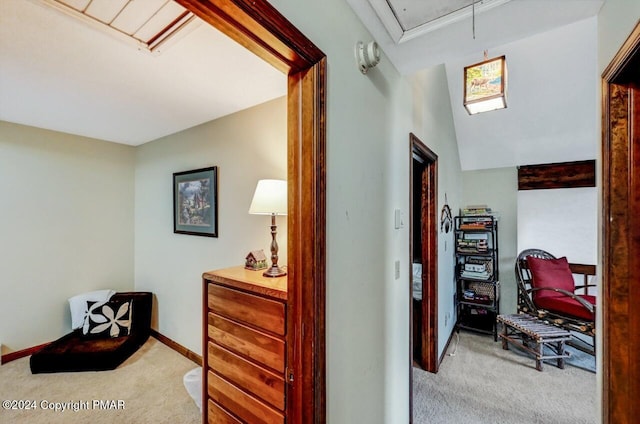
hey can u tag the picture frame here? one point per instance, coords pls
(485, 85)
(195, 202)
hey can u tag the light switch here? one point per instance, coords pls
(399, 219)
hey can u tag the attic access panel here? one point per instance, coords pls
(146, 24)
(411, 14)
(407, 19)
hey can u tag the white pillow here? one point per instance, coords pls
(78, 305)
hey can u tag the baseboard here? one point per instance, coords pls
(12, 356)
(192, 356)
(446, 347)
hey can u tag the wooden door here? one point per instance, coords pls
(621, 234)
(426, 195)
(258, 26)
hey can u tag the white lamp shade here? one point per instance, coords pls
(269, 198)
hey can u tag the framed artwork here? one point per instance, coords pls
(485, 85)
(195, 202)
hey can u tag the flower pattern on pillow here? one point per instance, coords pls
(108, 319)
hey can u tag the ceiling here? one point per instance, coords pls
(107, 75)
(418, 34)
(97, 69)
(551, 54)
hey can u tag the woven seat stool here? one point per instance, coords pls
(532, 335)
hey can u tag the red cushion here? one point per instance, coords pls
(568, 306)
(551, 273)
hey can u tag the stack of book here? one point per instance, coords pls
(477, 217)
(473, 243)
(477, 269)
(471, 296)
(475, 210)
(472, 246)
(476, 223)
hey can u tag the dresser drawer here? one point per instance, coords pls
(246, 407)
(247, 308)
(260, 347)
(264, 384)
(217, 415)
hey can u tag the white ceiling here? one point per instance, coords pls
(59, 73)
(497, 22)
(551, 53)
(62, 74)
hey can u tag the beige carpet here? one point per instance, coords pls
(149, 385)
(483, 384)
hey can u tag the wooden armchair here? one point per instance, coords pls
(547, 290)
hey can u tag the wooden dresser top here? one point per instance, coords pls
(253, 281)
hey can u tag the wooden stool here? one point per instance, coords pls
(523, 330)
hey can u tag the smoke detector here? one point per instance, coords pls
(367, 55)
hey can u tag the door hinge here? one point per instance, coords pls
(289, 375)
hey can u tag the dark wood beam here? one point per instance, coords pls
(557, 175)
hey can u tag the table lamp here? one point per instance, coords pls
(270, 198)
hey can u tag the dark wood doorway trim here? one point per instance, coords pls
(259, 27)
(621, 233)
(429, 258)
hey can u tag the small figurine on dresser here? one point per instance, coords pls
(256, 260)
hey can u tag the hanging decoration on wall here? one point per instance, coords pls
(445, 216)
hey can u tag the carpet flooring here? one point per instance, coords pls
(481, 384)
(484, 384)
(147, 388)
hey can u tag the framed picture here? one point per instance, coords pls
(195, 202)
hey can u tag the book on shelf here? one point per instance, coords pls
(471, 211)
(475, 223)
(469, 294)
(472, 246)
(476, 236)
(476, 275)
(478, 264)
(475, 267)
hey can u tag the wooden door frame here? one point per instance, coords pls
(621, 234)
(429, 233)
(259, 27)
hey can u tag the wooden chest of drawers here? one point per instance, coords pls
(244, 345)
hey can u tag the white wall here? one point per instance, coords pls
(562, 221)
(616, 20)
(433, 124)
(498, 188)
(245, 146)
(368, 125)
(66, 225)
(548, 72)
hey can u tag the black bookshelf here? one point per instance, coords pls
(477, 273)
